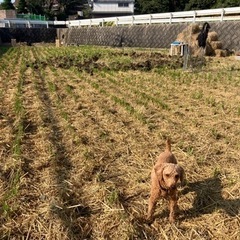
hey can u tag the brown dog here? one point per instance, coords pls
(165, 175)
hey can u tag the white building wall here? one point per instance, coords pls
(113, 7)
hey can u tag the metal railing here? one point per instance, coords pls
(29, 16)
(210, 15)
(22, 23)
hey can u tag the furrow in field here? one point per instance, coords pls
(6, 108)
(34, 183)
(188, 117)
(181, 115)
(106, 139)
(125, 98)
(8, 94)
(35, 195)
(12, 115)
(67, 209)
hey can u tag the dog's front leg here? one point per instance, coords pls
(152, 202)
(173, 208)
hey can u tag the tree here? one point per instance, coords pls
(178, 5)
(7, 5)
(35, 6)
(68, 7)
(152, 6)
(200, 4)
(227, 3)
(159, 6)
(22, 6)
(55, 8)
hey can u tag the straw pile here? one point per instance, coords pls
(214, 46)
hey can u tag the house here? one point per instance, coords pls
(5, 14)
(111, 8)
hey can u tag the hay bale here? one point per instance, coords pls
(212, 36)
(189, 35)
(196, 51)
(195, 28)
(220, 53)
(209, 50)
(180, 37)
(216, 45)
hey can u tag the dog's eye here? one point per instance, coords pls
(167, 175)
(177, 176)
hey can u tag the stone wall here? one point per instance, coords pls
(228, 34)
(154, 36)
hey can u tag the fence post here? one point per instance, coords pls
(170, 18)
(132, 20)
(150, 19)
(194, 16)
(222, 15)
(116, 21)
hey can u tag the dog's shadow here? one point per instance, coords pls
(208, 197)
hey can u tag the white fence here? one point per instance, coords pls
(211, 15)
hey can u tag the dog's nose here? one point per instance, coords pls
(173, 186)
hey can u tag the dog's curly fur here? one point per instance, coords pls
(164, 178)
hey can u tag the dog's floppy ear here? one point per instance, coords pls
(181, 175)
(159, 171)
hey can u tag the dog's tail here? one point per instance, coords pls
(168, 145)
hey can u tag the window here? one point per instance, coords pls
(123, 5)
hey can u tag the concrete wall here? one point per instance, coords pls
(154, 36)
(32, 35)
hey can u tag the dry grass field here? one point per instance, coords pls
(80, 131)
